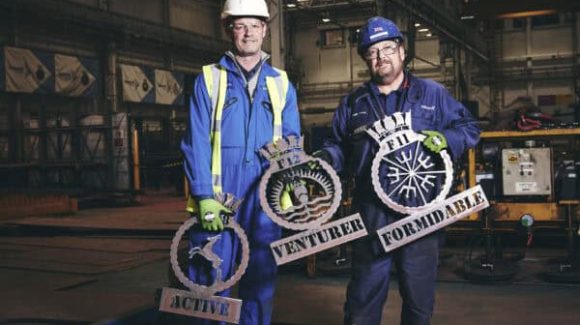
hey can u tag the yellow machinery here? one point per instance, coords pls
(518, 172)
(545, 206)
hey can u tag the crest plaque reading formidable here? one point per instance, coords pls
(300, 192)
(428, 220)
(413, 180)
(201, 301)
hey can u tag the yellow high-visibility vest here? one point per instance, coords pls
(215, 77)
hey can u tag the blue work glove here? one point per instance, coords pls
(435, 141)
(210, 212)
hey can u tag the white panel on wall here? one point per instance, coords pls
(426, 49)
(333, 62)
(151, 10)
(552, 41)
(329, 64)
(308, 53)
(195, 17)
(514, 45)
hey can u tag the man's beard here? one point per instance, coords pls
(386, 73)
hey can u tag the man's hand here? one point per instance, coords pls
(435, 141)
(324, 155)
(320, 154)
(210, 212)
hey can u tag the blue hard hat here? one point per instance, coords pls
(377, 29)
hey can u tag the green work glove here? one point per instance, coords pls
(322, 155)
(295, 191)
(210, 211)
(285, 199)
(435, 141)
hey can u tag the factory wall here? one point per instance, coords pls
(194, 16)
(539, 62)
(81, 143)
(534, 59)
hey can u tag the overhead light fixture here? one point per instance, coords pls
(423, 30)
(467, 17)
(291, 3)
(417, 24)
(428, 34)
(325, 19)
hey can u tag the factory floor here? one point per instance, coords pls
(104, 266)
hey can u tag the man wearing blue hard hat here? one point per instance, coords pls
(445, 122)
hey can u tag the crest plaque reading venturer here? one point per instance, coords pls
(201, 301)
(300, 192)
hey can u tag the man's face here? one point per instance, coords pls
(385, 61)
(247, 35)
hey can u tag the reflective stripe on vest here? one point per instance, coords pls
(277, 90)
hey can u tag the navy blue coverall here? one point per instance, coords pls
(352, 151)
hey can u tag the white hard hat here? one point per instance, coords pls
(244, 8)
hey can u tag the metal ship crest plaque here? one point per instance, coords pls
(413, 180)
(200, 301)
(405, 175)
(301, 192)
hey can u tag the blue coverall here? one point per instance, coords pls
(352, 151)
(247, 125)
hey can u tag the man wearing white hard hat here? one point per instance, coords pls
(232, 102)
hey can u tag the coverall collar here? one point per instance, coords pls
(250, 77)
(415, 89)
(229, 62)
(404, 85)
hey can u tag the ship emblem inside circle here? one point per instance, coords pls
(298, 191)
(204, 254)
(406, 176)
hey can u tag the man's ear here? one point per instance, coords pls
(265, 30)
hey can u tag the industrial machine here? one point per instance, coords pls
(530, 180)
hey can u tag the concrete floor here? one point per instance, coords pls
(100, 265)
